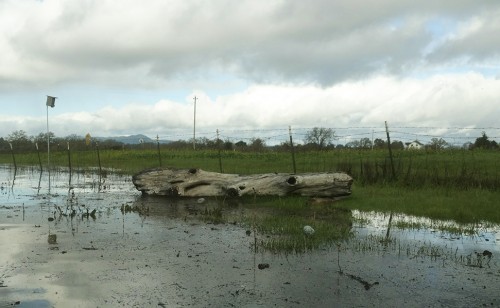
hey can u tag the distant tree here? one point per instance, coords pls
(41, 140)
(205, 143)
(468, 145)
(180, 144)
(227, 145)
(320, 136)
(365, 143)
(438, 144)
(4, 145)
(18, 136)
(353, 144)
(379, 144)
(240, 145)
(257, 144)
(397, 145)
(19, 140)
(484, 143)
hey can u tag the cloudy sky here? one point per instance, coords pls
(134, 66)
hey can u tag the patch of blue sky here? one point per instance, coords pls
(440, 28)
(91, 98)
(456, 67)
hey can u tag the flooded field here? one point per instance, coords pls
(96, 242)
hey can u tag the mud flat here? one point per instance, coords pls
(55, 254)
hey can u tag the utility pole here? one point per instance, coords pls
(51, 101)
(194, 124)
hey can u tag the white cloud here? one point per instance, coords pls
(252, 63)
(442, 101)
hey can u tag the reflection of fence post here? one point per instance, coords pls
(69, 160)
(39, 160)
(390, 150)
(158, 146)
(13, 156)
(292, 149)
(218, 147)
(98, 157)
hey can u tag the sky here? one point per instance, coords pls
(428, 68)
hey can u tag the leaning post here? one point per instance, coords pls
(390, 151)
(292, 149)
(13, 156)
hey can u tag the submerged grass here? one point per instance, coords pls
(462, 206)
(278, 225)
(457, 185)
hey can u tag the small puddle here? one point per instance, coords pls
(95, 241)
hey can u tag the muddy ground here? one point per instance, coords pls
(51, 256)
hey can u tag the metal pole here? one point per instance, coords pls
(48, 146)
(194, 124)
(50, 102)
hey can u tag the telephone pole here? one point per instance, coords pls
(194, 124)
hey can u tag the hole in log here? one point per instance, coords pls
(232, 192)
(193, 170)
(292, 180)
(241, 187)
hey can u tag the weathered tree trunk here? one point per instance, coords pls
(200, 183)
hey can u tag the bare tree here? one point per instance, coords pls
(365, 143)
(257, 144)
(320, 136)
(438, 144)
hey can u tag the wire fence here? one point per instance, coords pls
(453, 136)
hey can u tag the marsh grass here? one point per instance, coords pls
(462, 206)
(460, 185)
(279, 224)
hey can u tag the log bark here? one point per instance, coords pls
(200, 183)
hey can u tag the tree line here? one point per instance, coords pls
(318, 138)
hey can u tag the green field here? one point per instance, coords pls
(460, 185)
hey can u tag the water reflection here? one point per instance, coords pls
(86, 194)
(200, 249)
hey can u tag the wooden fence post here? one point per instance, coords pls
(219, 150)
(13, 156)
(292, 150)
(158, 146)
(98, 158)
(39, 160)
(69, 160)
(390, 151)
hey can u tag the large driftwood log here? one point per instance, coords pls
(200, 183)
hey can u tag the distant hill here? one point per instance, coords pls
(132, 139)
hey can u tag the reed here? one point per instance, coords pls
(461, 185)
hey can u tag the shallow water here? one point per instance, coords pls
(53, 252)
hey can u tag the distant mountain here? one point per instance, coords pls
(132, 139)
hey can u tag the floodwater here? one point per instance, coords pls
(73, 246)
